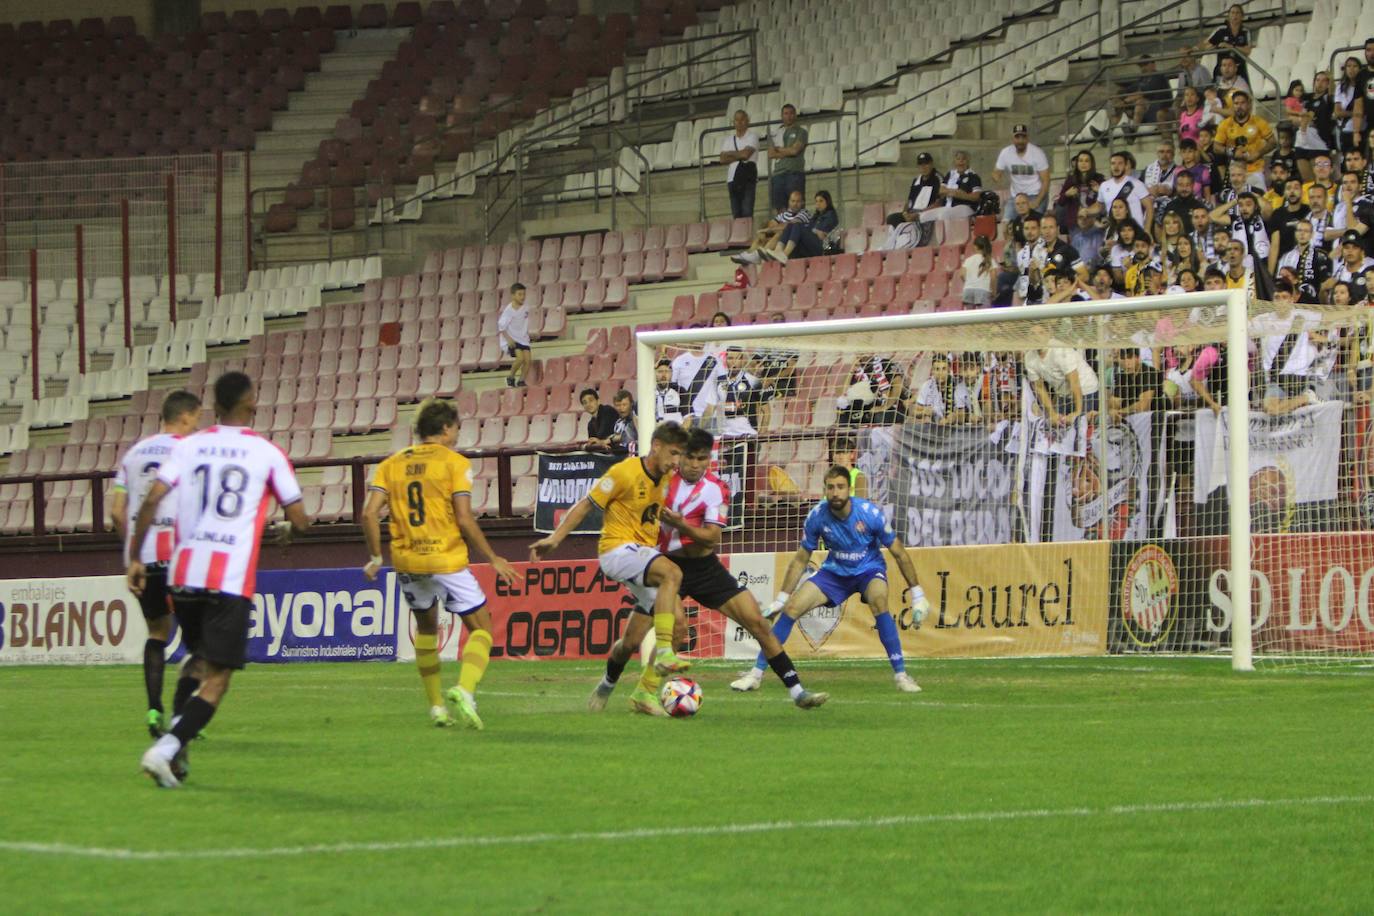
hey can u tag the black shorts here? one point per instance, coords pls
(706, 581)
(155, 600)
(214, 625)
(514, 348)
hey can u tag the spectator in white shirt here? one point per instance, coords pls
(1026, 167)
(514, 329)
(1124, 185)
(1064, 383)
(742, 173)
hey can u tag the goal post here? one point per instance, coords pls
(1066, 478)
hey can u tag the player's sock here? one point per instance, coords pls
(154, 663)
(195, 716)
(782, 666)
(186, 686)
(781, 629)
(663, 631)
(427, 662)
(649, 680)
(613, 671)
(892, 643)
(476, 654)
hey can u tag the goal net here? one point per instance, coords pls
(1085, 478)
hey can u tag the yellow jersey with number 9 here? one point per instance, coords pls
(630, 499)
(419, 483)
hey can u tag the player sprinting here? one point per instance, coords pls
(223, 480)
(694, 512)
(134, 476)
(631, 495)
(854, 531)
(428, 488)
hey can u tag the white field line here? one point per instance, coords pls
(648, 833)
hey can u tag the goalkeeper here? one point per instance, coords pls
(854, 532)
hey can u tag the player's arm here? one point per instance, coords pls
(119, 512)
(914, 596)
(137, 575)
(708, 535)
(473, 537)
(545, 546)
(372, 531)
(790, 577)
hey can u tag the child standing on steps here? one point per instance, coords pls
(514, 327)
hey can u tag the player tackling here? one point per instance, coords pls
(134, 477)
(694, 512)
(854, 532)
(631, 495)
(223, 480)
(428, 488)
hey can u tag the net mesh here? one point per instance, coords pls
(1064, 480)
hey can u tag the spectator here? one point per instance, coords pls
(1284, 219)
(1364, 90)
(765, 237)
(1030, 262)
(742, 173)
(1141, 100)
(1321, 178)
(1307, 261)
(733, 403)
(1159, 175)
(1244, 136)
(1183, 201)
(1170, 231)
(670, 401)
(1190, 113)
(978, 272)
(844, 451)
(1279, 172)
(1238, 275)
(1292, 99)
(1143, 256)
(807, 239)
(1233, 38)
(1208, 156)
(1200, 231)
(1349, 107)
(720, 320)
(1354, 212)
(962, 190)
(1204, 181)
(776, 370)
(1134, 386)
(513, 328)
(1124, 249)
(1297, 362)
(1065, 385)
(1316, 126)
(1059, 254)
(1185, 281)
(935, 400)
(1356, 162)
(1246, 224)
(1213, 111)
(1188, 375)
(1192, 74)
(1123, 185)
(870, 379)
(787, 148)
(601, 420)
(625, 439)
(694, 371)
(1021, 206)
(1324, 228)
(1024, 165)
(1088, 237)
(895, 405)
(1079, 190)
(1354, 267)
(1229, 81)
(906, 227)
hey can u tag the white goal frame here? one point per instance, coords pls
(1236, 302)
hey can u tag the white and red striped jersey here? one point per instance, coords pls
(135, 474)
(225, 478)
(706, 502)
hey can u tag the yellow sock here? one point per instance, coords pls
(649, 680)
(663, 631)
(427, 661)
(476, 654)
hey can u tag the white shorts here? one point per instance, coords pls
(627, 564)
(458, 592)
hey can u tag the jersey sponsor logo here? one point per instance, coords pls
(650, 515)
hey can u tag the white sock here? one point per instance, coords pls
(796, 690)
(167, 746)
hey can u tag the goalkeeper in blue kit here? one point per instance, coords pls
(854, 532)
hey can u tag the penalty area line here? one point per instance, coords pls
(703, 830)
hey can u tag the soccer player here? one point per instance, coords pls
(428, 488)
(137, 469)
(695, 510)
(224, 479)
(853, 530)
(631, 495)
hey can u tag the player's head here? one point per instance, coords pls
(663, 372)
(235, 399)
(180, 413)
(517, 294)
(696, 454)
(437, 421)
(623, 402)
(837, 487)
(665, 447)
(590, 400)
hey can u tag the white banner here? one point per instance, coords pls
(83, 621)
(1293, 458)
(1078, 513)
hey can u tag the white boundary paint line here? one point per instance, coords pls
(611, 836)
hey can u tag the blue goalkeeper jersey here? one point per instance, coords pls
(855, 543)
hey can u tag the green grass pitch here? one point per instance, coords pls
(1095, 785)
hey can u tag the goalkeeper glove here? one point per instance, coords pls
(373, 565)
(779, 602)
(920, 607)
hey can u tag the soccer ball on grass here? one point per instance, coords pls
(680, 697)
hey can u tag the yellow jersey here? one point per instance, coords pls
(1255, 131)
(630, 499)
(420, 483)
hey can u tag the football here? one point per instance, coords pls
(680, 697)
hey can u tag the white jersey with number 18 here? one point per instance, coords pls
(135, 475)
(225, 478)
